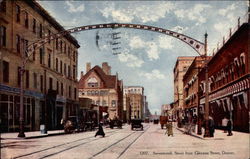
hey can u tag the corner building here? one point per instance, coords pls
(50, 84)
(229, 83)
(102, 88)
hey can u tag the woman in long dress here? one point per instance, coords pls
(170, 128)
(100, 131)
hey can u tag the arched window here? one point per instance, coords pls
(242, 62)
(92, 82)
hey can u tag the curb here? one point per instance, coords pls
(191, 134)
(47, 135)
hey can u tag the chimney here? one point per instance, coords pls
(106, 68)
(88, 67)
(82, 74)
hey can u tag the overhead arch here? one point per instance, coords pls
(195, 44)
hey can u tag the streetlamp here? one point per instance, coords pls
(21, 71)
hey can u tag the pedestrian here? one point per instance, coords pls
(211, 126)
(224, 124)
(100, 131)
(229, 128)
(169, 130)
(194, 122)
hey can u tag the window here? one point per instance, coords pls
(18, 76)
(96, 93)
(26, 19)
(49, 33)
(56, 43)
(61, 67)
(92, 82)
(41, 55)
(57, 64)
(3, 6)
(41, 31)
(17, 13)
(113, 103)
(62, 89)
(27, 78)
(69, 91)
(104, 103)
(74, 56)
(69, 50)
(5, 71)
(61, 44)
(65, 69)
(74, 71)
(69, 72)
(49, 60)
(34, 25)
(75, 93)
(26, 43)
(34, 80)
(65, 47)
(18, 41)
(3, 36)
(50, 83)
(98, 102)
(34, 54)
(41, 83)
(57, 87)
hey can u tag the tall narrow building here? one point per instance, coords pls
(181, 66)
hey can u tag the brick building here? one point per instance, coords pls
(103, 88)
(50, 78)
(181, 66)
(229, 82)
(190, 91)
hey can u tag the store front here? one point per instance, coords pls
(10, 109)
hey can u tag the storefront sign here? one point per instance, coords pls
(6, 88)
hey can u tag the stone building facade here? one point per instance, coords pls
(102, 88)
(181, 66)
(137, 101)
(229, 83)
(50, 74)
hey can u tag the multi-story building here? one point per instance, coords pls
(147, 111)
(180, 69)
(103, 88)
(229, 83)
(50, 73)
(190, 82)
(137, 101)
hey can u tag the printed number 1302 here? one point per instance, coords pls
(144, 153)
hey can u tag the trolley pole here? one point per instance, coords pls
(206, 91)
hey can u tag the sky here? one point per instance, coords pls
(146, 58)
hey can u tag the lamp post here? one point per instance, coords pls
(21, 71)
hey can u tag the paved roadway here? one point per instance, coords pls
(126, 144)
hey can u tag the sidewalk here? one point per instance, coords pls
(31, 134)
(218, 134)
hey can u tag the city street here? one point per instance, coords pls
(124, 143)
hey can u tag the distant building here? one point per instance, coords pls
(102, 88)
(181, 66)
(229, 82)
(137, 101)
